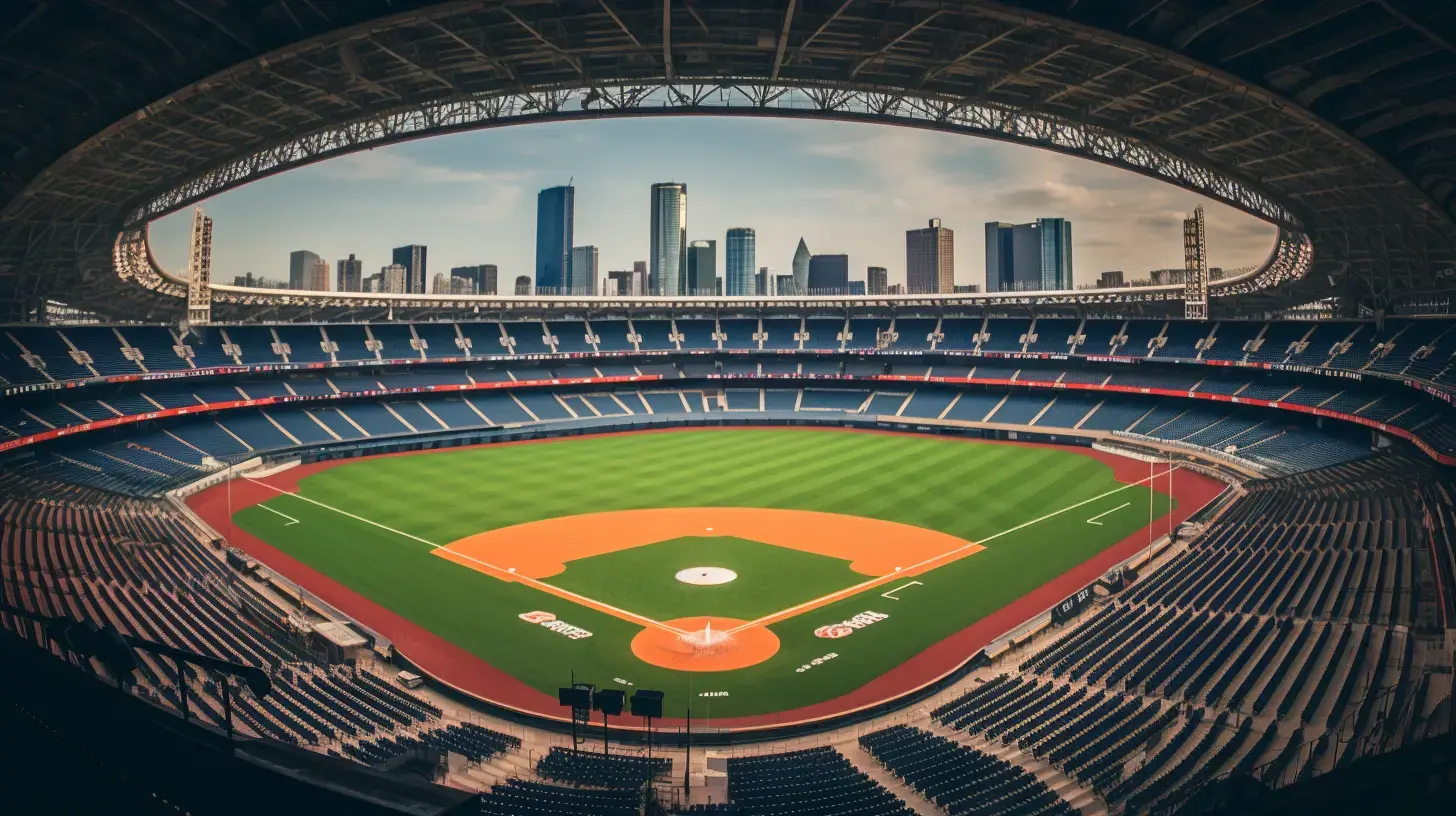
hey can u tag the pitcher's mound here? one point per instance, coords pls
(705, 648)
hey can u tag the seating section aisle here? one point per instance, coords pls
(812, 782)
(960, 779)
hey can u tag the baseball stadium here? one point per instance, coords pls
(794, 546)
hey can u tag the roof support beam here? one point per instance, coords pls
(784, 39)
(864, 63)
(936, 71)
(1266, 35)
(667, 39)
(1227, 10)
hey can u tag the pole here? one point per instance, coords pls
(604, 733)
(181, 685)
(1152, 494)
(227, 706)
(687, 765)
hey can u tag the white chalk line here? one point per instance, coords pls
(542, 585)
(1094, 520)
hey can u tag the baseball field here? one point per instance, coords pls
(748, 571)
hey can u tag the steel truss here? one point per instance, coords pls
(728, 96)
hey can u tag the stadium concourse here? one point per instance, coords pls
(1286, 630)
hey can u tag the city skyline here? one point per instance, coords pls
(846, 188)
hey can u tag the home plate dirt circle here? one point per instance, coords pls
(706, 576)
(704, 649)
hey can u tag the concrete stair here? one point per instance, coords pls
(862, 760)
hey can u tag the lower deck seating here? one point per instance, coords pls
(812, 782)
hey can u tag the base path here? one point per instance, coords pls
(540, 549)
(466, 672)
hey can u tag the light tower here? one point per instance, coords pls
(1195, 263)
(199, 270)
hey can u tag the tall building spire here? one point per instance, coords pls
(801, 268)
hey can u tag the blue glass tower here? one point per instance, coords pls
(555, 208)
(740, 262)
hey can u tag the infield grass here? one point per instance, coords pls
(973, 490)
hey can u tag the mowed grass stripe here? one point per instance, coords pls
(965, 488)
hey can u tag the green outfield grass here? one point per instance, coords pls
(972, 490)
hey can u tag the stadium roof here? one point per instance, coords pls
(1333, 118)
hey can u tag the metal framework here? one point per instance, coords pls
(1195, 267)
(1330, 117)
(728, 97)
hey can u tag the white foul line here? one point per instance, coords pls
(1094, 520)
(291, 520)
(542, 585)
(881, 579)
(891, 593)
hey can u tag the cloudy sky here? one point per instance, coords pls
(846, 188)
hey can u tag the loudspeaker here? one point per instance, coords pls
(646, 703)
(577, 697)
(609, 701)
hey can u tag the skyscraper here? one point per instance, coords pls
(441, 284)
(828, 275)
(412, 258)
(523, 285)
(1000, 257)
(741, 258)
(583, 271)
(555, 228)
(702, 268)
(877, 280)
(317, 279)
(668, 252)
(639, 278)
(482, 278)
(763, 282)
(930, 260)
(393, 279)
(1055, 250)
(351, 274)
(300, 261)
(800, 269)
(1029, 257)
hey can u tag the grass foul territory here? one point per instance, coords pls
(869, 547)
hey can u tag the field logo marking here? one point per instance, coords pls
(291, 520)
(567, 594)
(1094, 520)
(537, 617)
(891, 593)
(845, 628)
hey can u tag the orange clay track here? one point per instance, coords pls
(540, 549)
